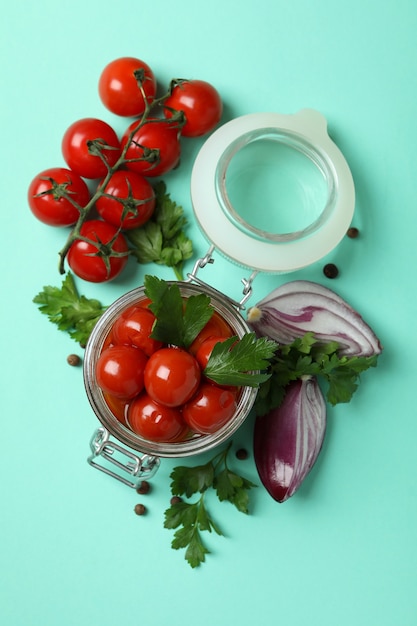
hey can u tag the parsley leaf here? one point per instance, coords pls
(305, 356)
(162, 239)
(190, 519)
(71, 312)
(190, 480)
(234, 488)
(178, 320)
(232, 361)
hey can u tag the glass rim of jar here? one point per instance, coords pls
(198, 443)
(240, 241)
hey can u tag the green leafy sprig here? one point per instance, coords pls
(231, 360)
(71, 312)
(306, 356)
(178, 320)
(191, 519)
(162, 239)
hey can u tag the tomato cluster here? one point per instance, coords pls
(160, 391)
(119, 170)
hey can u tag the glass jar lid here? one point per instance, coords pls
(272, 192)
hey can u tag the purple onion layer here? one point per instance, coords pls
(298, 307)
(288, 440)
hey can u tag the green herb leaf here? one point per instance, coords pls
(232, 361)
(189, 480)
(196, 551)
(190, 519)
(162, 239)
(178, 320)
(305, 356)
(234, 488)
(72, 313)
(197, 312)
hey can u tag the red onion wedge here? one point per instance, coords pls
(301, 306)
(287, 440)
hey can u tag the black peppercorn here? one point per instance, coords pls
(73, 359)
(143, 487)
(330, 270)
(175, 500)
(140, 509)
(241, 454)
(352, 232)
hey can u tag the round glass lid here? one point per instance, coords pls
(273, 192)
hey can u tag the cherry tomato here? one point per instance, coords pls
(118, 406)
(134, 327)
(215, 327)
(120, 371)
(48, 195)
(159, 136)
(172, 376)
(210, 409)
(118, 87)
(201, 104)
(206, 348)
(84, 257)
(154, 421)
(132, 200)
(75, 147)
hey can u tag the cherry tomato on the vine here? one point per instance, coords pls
(120, 371)
(155, 421)
(155, 147)
(172, 376)
(87, 135)
(201, 104)
(53, 194)
(93, 260)
(134, 327)
(128, 200)
(210, 409)
(118, 86)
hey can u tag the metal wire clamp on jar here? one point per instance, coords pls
(230, 229)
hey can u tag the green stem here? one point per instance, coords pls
(177, 120)
(178, 271)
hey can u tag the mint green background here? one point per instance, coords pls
(343, 550)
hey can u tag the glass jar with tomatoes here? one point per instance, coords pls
(123, 368)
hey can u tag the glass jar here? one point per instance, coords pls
(307, 212)
(197, 443)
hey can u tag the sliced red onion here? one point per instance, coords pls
(287, 441)
(301, 306)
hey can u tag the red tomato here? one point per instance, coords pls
(154, 421)
(134, 327)
(201, 104)
(118, 406)
(215, 327)
(49, 194)
(159, 139)
(206, 348)
(94, 133)
(118, 86)
(120, 371)
(84, 258)
(132, 200)
(172, 376)
(210, 409)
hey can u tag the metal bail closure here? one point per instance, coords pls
(139, 468)
(208, 259)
